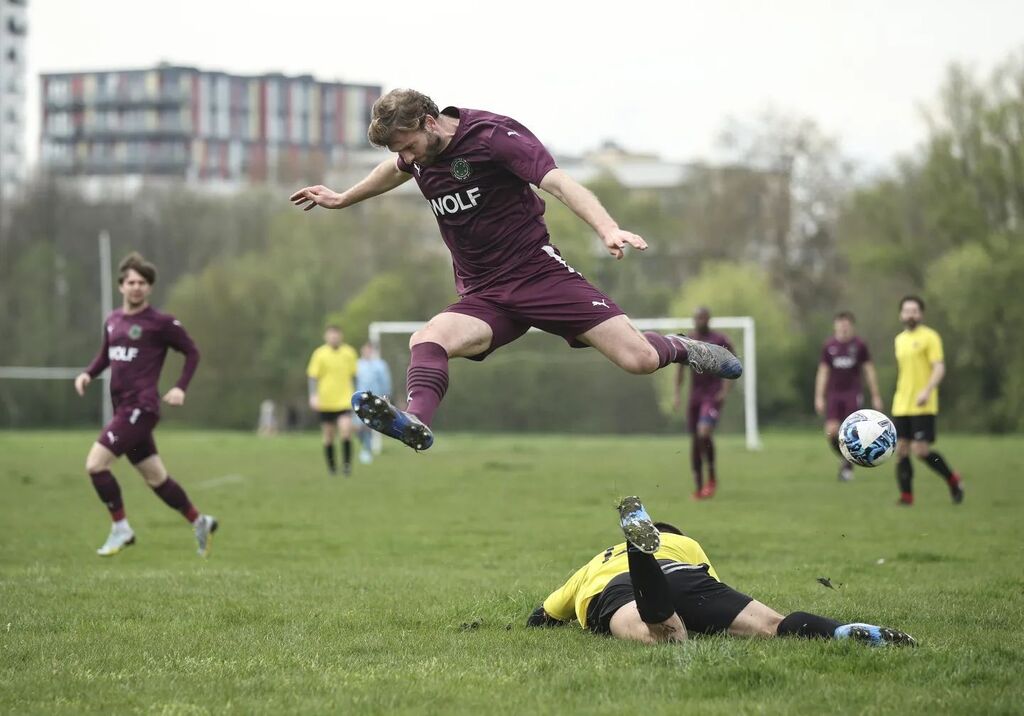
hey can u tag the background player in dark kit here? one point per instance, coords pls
(837, 385)
(475, 169)
(704, 408)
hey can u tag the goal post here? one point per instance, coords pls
(743, 323)
(106, 306)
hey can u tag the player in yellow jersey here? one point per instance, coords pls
(659, 585)
(331, 373)
(921, 367)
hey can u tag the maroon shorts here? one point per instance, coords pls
(130, 433)
(704, 410)
(546, 294)
(839, 405)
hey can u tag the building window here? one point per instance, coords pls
(57, 90)
(16, 28)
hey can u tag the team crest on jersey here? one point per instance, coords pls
(461, 169)
(135, 332)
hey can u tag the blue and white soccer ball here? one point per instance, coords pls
(867, 438)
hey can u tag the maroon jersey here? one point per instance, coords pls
(706, 386)
(479, 190)
(845, 361)
(135, 346)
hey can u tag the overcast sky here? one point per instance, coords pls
(653, 76)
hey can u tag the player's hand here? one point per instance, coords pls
(876, 403)
(314, 402)
(175, 396)
(81, 381)
(922, 397)
(618, 239)
(819, 405)
(313, 196)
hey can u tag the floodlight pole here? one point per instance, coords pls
(106, 306)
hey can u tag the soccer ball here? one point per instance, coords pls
(867, 438)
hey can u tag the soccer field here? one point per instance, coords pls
(404, 589)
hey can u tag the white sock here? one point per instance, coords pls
(122, 525)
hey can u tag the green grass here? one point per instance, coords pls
(405, 588)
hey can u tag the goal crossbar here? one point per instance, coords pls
(744, 323)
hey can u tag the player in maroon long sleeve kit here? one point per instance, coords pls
(135, 342)
(475, 170)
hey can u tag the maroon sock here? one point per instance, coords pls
(174, 496)
(668, 349)
(709, 453)
(696, 463)
(427, 380)
(110, 493)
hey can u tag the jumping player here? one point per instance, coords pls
(915, 406)
(659, 585)
(707, 396)
(475, 169)
(135, 342)
(331, 374)
(837, 385)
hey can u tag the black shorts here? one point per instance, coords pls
(705, 605)
(331, 416)
(915, 427)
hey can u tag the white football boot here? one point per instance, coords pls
(117, 540)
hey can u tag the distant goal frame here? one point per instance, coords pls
(743, 323)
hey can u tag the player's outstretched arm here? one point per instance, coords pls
(820, 381)
(938, 373)
(99, 364)
(677, 393)
(872, 379)
(179, 339)
(384, 177)
(81, 381)
(586, 206)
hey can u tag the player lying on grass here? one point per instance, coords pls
(659, 586)
(475, 169)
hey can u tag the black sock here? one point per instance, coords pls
(346, 452)
(329, 453)
(650, 587)
(938, 463)
(808, 626)
(904, 474)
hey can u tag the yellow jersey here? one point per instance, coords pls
(573, 597)
(334, 370)
(916, 352)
